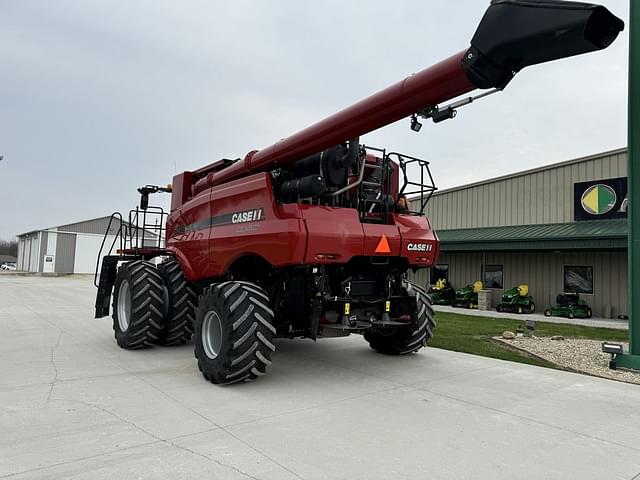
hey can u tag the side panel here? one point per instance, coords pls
(375, 236)
(419, 242)
(246, 221)
(332, 231)
(188, 236)
(207, 234)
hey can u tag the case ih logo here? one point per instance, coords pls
(248, 216)
(419, 247)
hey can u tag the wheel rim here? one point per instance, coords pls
(211, 334)
(124, 305)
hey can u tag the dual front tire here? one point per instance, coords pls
(152, 305)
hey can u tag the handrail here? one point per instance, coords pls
(104, 239)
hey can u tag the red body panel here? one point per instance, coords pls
(208, 233)
(332, 231)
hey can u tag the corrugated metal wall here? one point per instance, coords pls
(540, 196)
(97, 225)
(544, 273)
(43, 250)
(65, 252)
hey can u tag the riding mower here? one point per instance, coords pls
(517, 300)
(569, 305)
(468, 296)
(442, 293)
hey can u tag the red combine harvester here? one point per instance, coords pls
(314, 235)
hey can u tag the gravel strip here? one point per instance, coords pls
(581, 355)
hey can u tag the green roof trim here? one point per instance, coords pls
(586, 235)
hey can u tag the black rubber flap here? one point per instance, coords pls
(514, 34)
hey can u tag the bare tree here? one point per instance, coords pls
(9, 247)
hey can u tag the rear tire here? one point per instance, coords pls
(234, 332)
(589, 313)
(138, 304)
(181, 308)
(407, 339)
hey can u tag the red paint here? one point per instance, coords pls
(290, 234)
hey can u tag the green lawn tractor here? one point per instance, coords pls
(517, 300)
(442, 293)
(468, 296)
(569, 305)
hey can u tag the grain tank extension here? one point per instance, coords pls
(313, 236)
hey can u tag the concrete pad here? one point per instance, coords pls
(75, 405)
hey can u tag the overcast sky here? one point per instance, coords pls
(100, 97)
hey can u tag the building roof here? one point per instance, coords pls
(587, 235)
(94, 225)
(564, 163)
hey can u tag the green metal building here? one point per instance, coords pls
(556, 228)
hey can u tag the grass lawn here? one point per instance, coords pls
(469, 334)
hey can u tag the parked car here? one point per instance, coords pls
(8, 266)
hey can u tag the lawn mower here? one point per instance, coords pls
(517, 300)
(569, 305)
(442, 293)
(468, 296)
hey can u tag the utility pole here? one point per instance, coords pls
(631, 359)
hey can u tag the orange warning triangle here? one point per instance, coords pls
(383, 245)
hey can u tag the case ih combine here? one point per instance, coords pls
(314, 236)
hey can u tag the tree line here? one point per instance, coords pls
(9, 247)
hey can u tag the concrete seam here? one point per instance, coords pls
(311, 407)
(219, 427)
(531, 420)
(71, 462)
(163, 440)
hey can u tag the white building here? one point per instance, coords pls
(71, 248)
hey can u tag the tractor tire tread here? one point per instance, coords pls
(180, 316)
(248, 332)
(413, 339)
(146, 322)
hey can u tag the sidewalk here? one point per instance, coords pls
(588, 322)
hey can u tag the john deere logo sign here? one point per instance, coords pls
(599, 199)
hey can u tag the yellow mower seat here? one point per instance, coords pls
(523, 290)
(477, 286)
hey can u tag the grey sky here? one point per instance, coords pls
(100, 97)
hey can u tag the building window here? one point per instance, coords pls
(438, 272)
(578, 279)
(492, 276)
